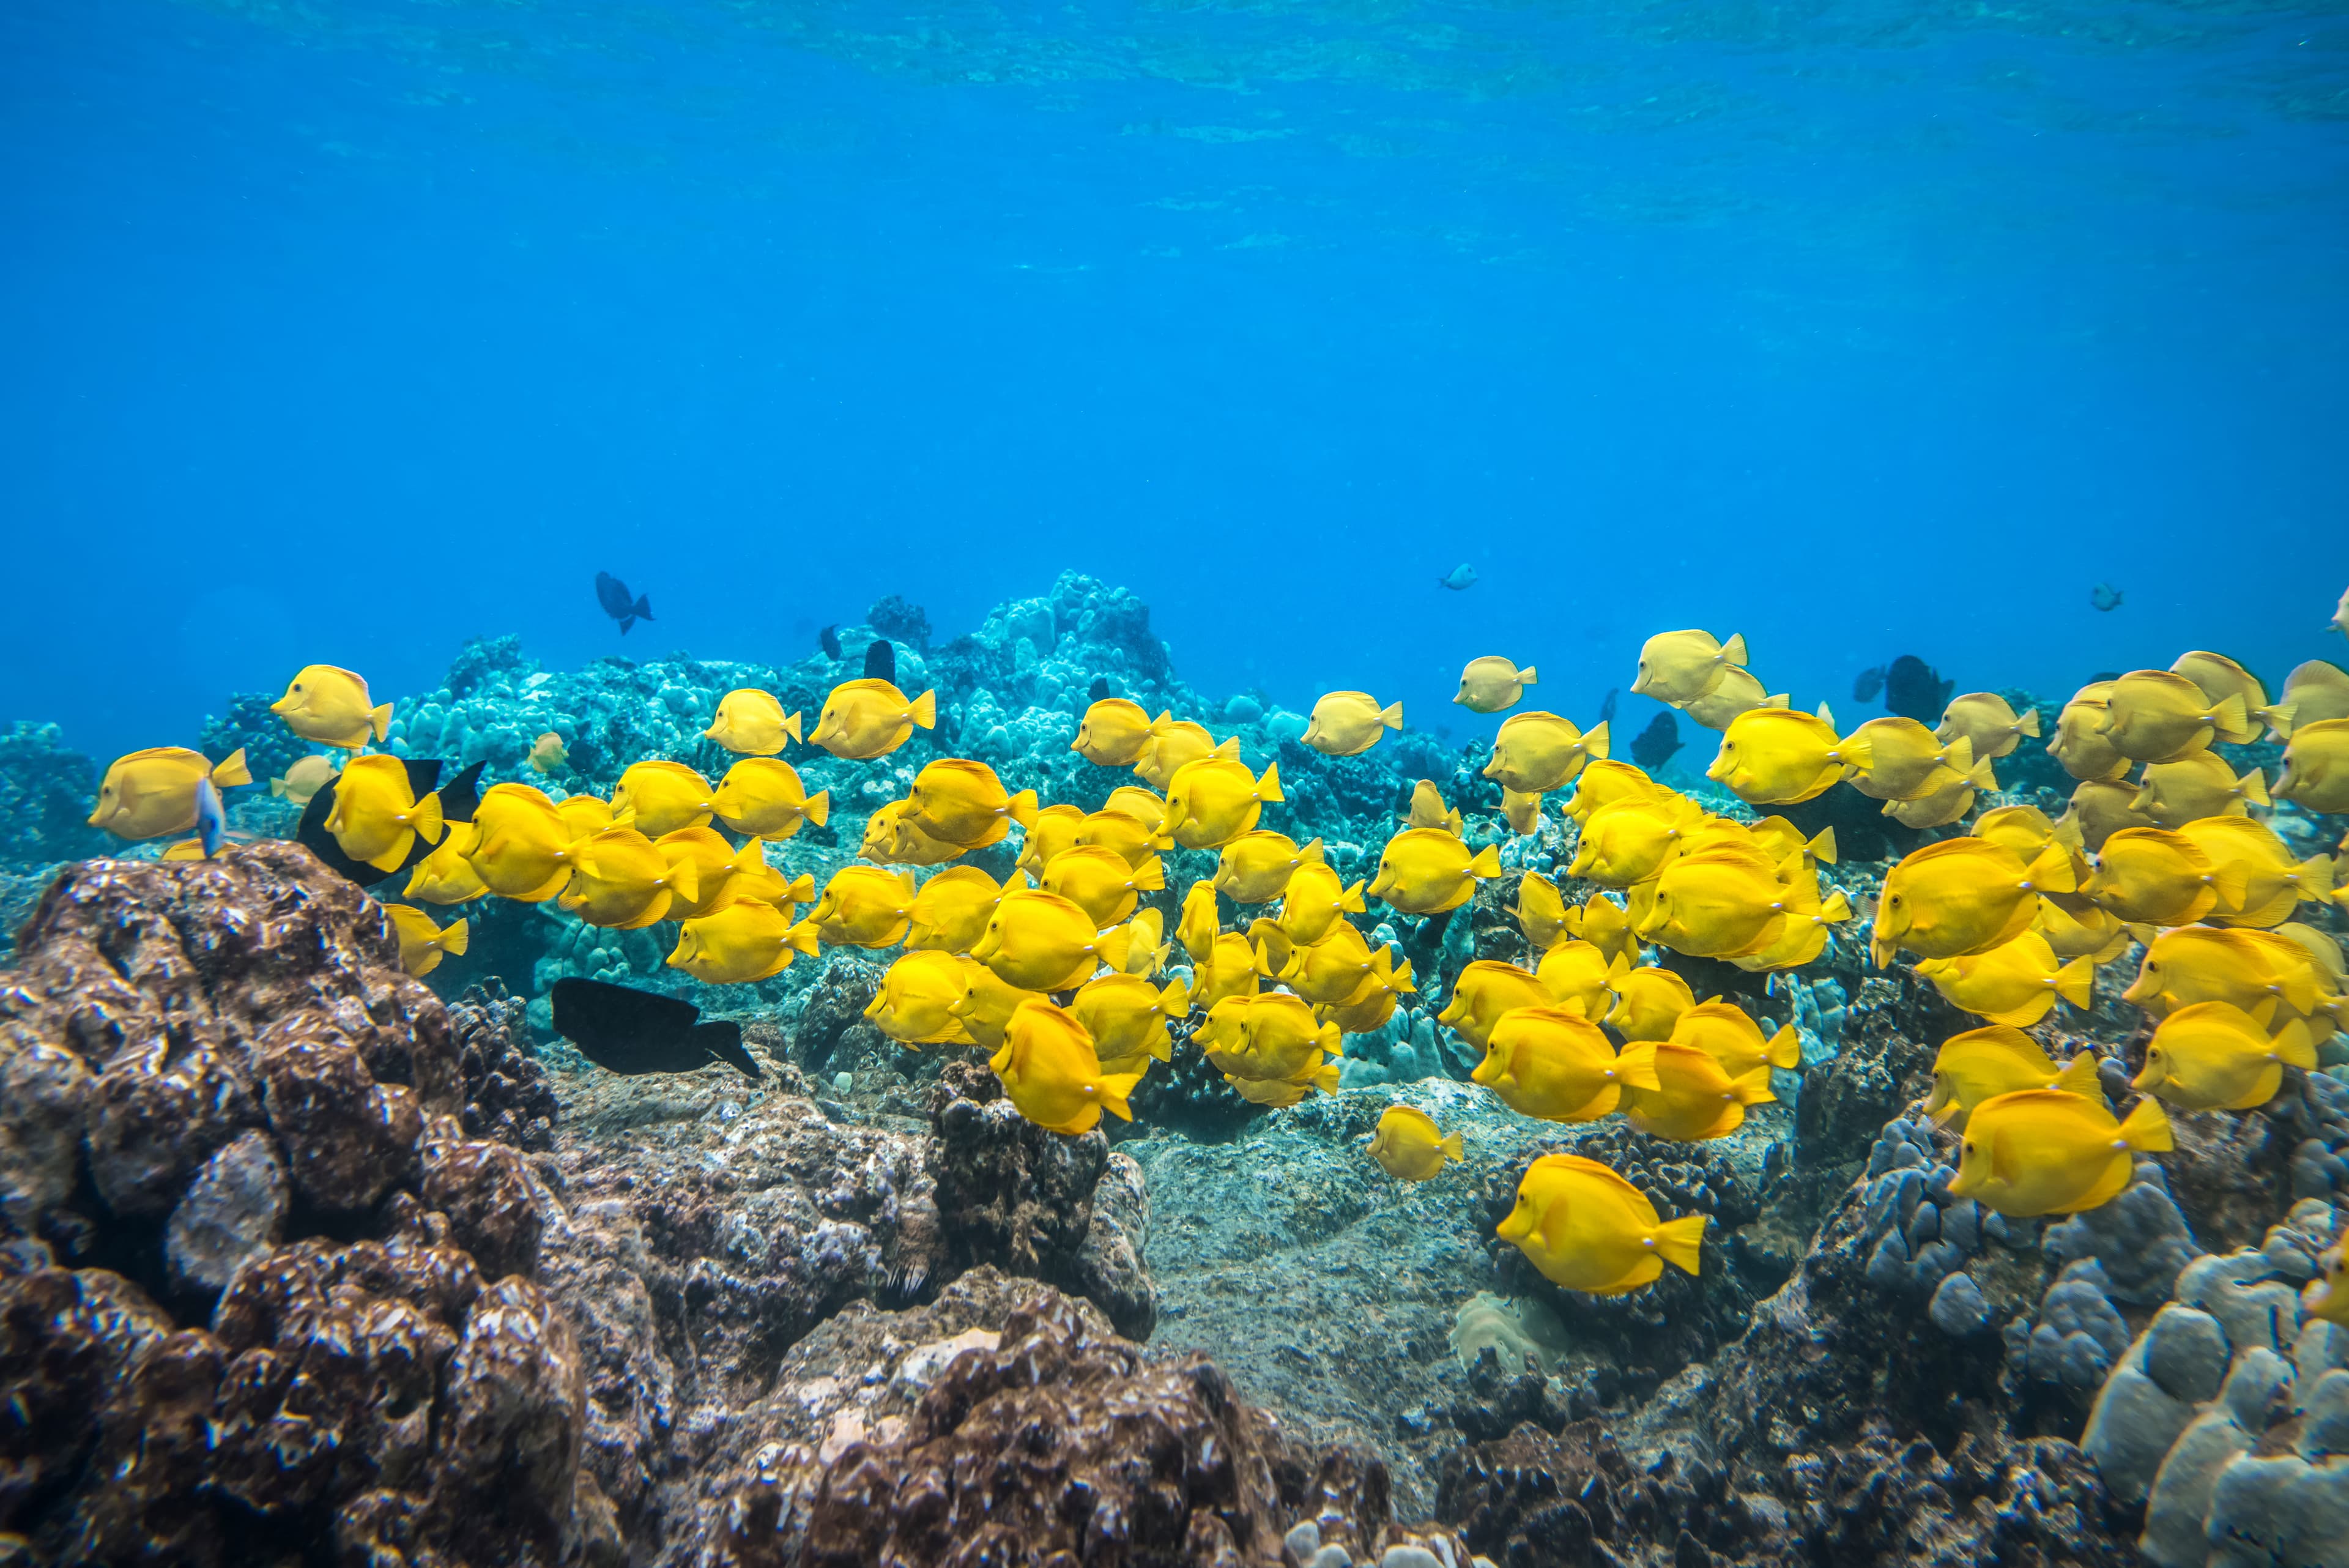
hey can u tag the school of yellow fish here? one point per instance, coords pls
(1055, 972)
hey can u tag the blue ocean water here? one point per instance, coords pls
(345, 331)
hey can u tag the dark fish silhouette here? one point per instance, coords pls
(613, 595)
(829, 640)
(2104, 596)
(1654, 745)
(881, 661)
(1099, 689)
(458, 803)
(624, 1030)
(1915, 689)
(1607, 708)
(1870, 682)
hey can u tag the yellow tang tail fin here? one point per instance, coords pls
(1595, 742)
(2232, 885)
(1114, 947)
(1835, 910)
(1980, 776)
(2075, 983)
(1150, 875)
(1636, 1067)
(1350, 900)
(1115, 1087)
(455, 934)
(1487, 863)
(1785, 1048)
(1822, 848)
(801, 939)
(1391, 715)
(685, 879)
(1733, 651)
(1023, 808)
(2146, 1128)
(2231, 718)
(925, 711)
(1452, 1147)
(1325, 1077)
(1311, 855)
(2314, 878)
(792, 728)
(749, 858)
(802, 888)
(2295, 1046)
(1526, 677)
(429, 822)
(1175, 1002)
(380, 717)
(1959, 754)
(1267, 788)
(2078, 1077)
(2050, 872)
(1753, 1088)
(277, 788)
(2254, 788)
(2279, 719)
(1680, 1243)
(817, 806)
(2027, 722)
(1401, 978)
(232, 771)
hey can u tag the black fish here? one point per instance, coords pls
(2104, 596)
(829, 640)
(613, 595)
(458, 803)
(1607, 708)
(881, 661)
(1099, 689)
(1656, 743)
(1915, 689)
(624, 1030)
(1870, 682)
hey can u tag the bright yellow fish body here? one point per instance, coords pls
(1255, 868)
(1678, 667)
(1988, 723)
(716, 865)
(893, 839)
(1410, 1147)
(1198, 924)
(2153, 876)
(1121, 834)
(864, 907)
(1632, 841)
(2315, 775)
(1521, 812)
(866, 719)
(2100, 808)
(664, 797)
(1271, 1037)
(1337, 967)
(2024, 829)
(627, 882)
(1114, 733)
(1540, 911)
(919, 998)
(1778, 757)
(1805, 935)
(375, 818)
(1428, 810)
(2274, 884)
(1348, 723)
(2154, 716)
(762, 798)
(422, 944)
(2218, 677)
(149, 794)
(1609, 780)
(1101, 882)
(2327, 1295)
(1722, 1031)
(1126, 1015)
(1555, 1066)
(304, 778)
(988, 1003)
(2244, 968)
(1963, 896)
(1491, 684)
(1907, 760)
(751, 723)
(1939, 809)
(331, 707)
(962, 802)
(1980, 1064)
(1605, 925)
(2043, 1151)
(1589, 1229)
(743, 939)
(445, 876)
(1737, 694)
(1213, 801)
(2172, 795)
(1054, 829)
(1537, 752)
(2015, 982)
(2316, 690)
(1366, 1011)
(585, 815)
(1052, 1075)
(1315, 900)
(1230, 968)
(1723, 902)
(765, 885)
(523, 847)
(2214, 1056)
(1579, 977)
(2076, 927)
(1649, 1004)
(1175, 744)
(1695, 1099)
(951, 911)
(1041, 942)
(1427, 871)
(1487, 989)
(2079, 743)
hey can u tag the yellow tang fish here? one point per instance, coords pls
(1213, 801)
(1722, 1031)
(1314, 901)
(548, 753)
(1146, 947)
(2315, 775)
(2214, 1056)
(1270, 944)
(766, 885)
(1114, 733)
(1988, 723)
(1979, 1063)
(1052, 1075)
(1777, 756)
(1054, 829)
(1738, 693)
(743, 939)
(524, 849)
(1426, 870)
(1907, 760)
(331, 707)
(1126, 1015)
(988, 1003)
(1348, 723)
(2025, 829)
(445, 876)
(1555, 1064)
(1272, 1037)
(1540, 911)
(751, 723)
(2327, 1295)
(864, 907)
(1521, 812)
(2153, 876)
(585, 815)
(1678, 667)
(762, 798)
(893, 839)
(2043, 1151)
(422, 944)
(1410, 1147)
(914, 1004)
(1428, 810)
(665, 797)
(304, 778)
(2172, 795)
(716, 865)
(149, 794)
(2274, 884)
(1229, 970)
(2211, 963)
(2218, 676)
(2076, 927)
(2100, 808)
(1963, 896)
(951, 911)
(1122, 834)
(1145, 806)
(2316, 690)
(1362, 1013)
(1805, 937)
(375, 817)
(1695, 1097)
(962, 802)
(1255, 868)
(1778, 836)
(1605, 925)
(2015, 982)
(1490, 684)
(1648, 1003)
(1335, 968)
(2153, 716)
(627, 882)
(1043, 941)
(1197, 925)
(1537, 752)
(1101, 882)
(1589, 1229)
(1607, 780)
(1579, 978)
(1723, 902)
(866, 719)
(2079, 743)
(1632, 841)
(1487, 989)
(1942, 807)
(1175, 745)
